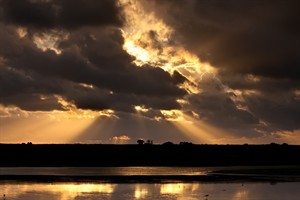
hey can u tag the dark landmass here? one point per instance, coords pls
(168, 154)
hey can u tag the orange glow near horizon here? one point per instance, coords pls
(47, 126)
(150, 41)
(44, 128)
(197, 130)
(194, 128)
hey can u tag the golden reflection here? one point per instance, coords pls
(140, 191)
(65, 191)
(178, 188)
(241, 195)
(172, 188)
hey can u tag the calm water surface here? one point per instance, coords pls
(99, 171)
(166, 190)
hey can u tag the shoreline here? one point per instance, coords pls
(216, 175)
(212, 178)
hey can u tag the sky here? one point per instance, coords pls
(115, 71)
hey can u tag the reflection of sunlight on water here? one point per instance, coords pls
(65, 191)
(241, 195)
(140, 191)
(149, 191)
(178, 188)
(172, 188)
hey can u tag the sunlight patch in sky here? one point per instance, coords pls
(151, 65)
(49, 40)
(197, 130)
(22, 32)
(55, 126)
(89, 86)
(141, 108)
(150, 41)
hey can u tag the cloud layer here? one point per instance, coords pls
(56, 53)
(254, 45)
(91, 55)
(61, 14)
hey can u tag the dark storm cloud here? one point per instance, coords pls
(255, 47)
(280, 110)
(89, 55)
(217, 107)
(60, 14)
(256, 37)
(110, 68)
(26, 89)
(266, 85)
(274, 101)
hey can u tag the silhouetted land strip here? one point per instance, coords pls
(84, 155)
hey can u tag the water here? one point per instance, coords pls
(106, 171)
(165, 190)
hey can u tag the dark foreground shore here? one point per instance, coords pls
(83, 155)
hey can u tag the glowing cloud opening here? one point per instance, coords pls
(45, 41)
(141, 108)
(89, 86)
(150, 41)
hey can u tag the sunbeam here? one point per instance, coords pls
(150, 41)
